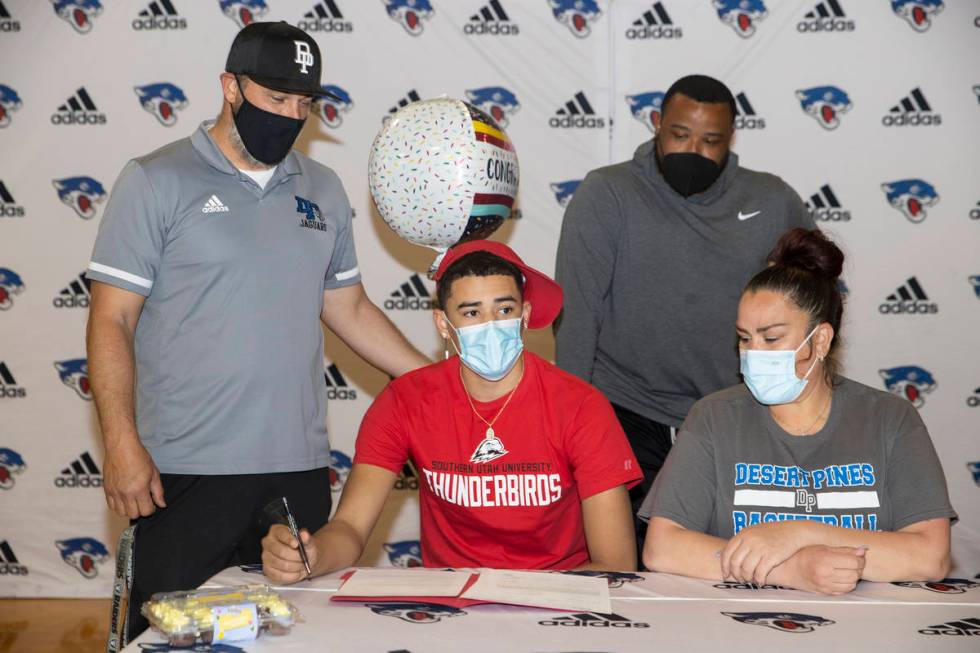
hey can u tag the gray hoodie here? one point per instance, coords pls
(652, 279)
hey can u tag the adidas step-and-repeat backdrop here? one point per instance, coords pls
(869, 109)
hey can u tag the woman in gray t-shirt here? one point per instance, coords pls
(799, 477)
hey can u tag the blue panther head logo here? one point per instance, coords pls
(81, 194)
(974, 281)
(415, 613)
(613, 578)
(824, 104)
(495, 101)
(917, 13)
(74, 374)
(407, 553)
(577, 15)
(9, 101)
(909, 381)
(83, 553)
(564, 190)
(339, 467)
(911, 197)
(11, 463)
(741, 15)
(78, 13)
(243, 12)
(788, 622)
(10, 284)
(645, 106)
(974, 468)
(409, 13)
(162, 100)
(330, 108)
(944, 586)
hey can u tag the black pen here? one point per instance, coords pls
(295, 531)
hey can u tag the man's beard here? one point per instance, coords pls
(236, 142)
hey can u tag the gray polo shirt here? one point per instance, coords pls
(229, 349)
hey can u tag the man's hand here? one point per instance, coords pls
(755, 551)
(131, 481)
(829, 569)
(281, 561)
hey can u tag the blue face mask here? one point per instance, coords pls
(771, 375)
(491, 348)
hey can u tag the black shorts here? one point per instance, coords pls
(214, 522)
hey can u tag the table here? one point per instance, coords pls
(651, 612)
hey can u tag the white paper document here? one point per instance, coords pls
(542, 589)
(404, 582)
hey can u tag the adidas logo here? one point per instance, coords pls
(411, 96)
(974, 212)
(960, 627)
(9, 207)
(82, 472)
(159, 14)
(913, 110)
(8, 385)
(337, 384)
(7, 24)
(491, 19)
(594, 620)
(325, 17)
(908, 298)
(214, 205)
(823, 205)
(745, 116)
(408, 479)
(827, 16)
(76, 294)
(577, 113)
(412, 295)
(655, 23)
(79, 109)
(9, 565)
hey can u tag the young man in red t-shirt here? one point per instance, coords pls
(521, 465)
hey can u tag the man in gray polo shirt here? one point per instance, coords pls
(215, 257)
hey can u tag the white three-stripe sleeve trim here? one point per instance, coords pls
(349, 274)
(120, 274)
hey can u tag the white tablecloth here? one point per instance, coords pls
(651, 612)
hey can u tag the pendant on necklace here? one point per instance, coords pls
(490, 448)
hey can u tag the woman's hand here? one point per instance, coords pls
(828, 569)
(756, 550)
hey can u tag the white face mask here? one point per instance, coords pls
(491, 348)
(771, 375)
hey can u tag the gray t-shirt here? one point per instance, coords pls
(229, 348)
(872, 466)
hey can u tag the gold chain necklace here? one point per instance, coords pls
(826, 405)
(490, 433)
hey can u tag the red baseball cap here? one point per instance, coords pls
(541, 291)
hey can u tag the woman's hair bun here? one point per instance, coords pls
(808, 250)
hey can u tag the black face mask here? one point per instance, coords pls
(688, 173)
(267, 136)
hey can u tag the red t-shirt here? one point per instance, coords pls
(518, 510)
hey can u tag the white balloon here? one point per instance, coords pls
(440, 171)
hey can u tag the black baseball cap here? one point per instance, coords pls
(278, 56)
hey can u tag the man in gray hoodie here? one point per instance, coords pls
(653, 256)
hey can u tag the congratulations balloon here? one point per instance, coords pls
(442, 171)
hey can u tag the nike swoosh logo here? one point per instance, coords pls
(746, 216)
